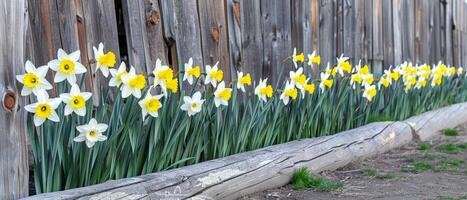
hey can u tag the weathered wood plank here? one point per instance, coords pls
(388, 34)
(377, 32)
(359, 33)
(301, 35)
(277, 40)
(397, 29)
(157, 47)
(314, 23)
(214, 34)
(446, 31)
(14, 169)
(327, 31)
(435, 25)
(252, 42)
(422, 31)
(407, 13)
(367, 52)
(349, 29)
(234, 35)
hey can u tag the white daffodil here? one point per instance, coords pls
(460, 71)
(44, 108)
(369, 92)
(290, 92)
(213, 75)
(297, 58)
(192, 105)
(116, 79)
(191, 72)
(298, 78)
(75, 101)
(263, 91)
(104, 61)
(34, 80)
(91, 133)
(162, 73)
(313, 58)
(222, 95)
(150, 105)
(325, 81)
(243, 80)
(132, 84)
(343, 65)
(66, 66)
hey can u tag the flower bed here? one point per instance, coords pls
(191, 116)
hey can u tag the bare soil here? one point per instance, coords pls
(438, 172)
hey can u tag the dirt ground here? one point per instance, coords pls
(436, 169)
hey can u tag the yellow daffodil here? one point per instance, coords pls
(162, 73)
(213, 75)
(192, 105)
(44, 108)
(263, 91)
(313, 58)
(310, 88)
(290, 92)
(116, 79)
(132, 84)
(343, 65)
(297, 78)
(297, 58)
(172, 85)
(66, 66)
(34, 80)
(150, 105)
(104, 61)
(222, 95)
(369, 92)
(75, 101)
(384, 81)
(368, 79)
(243, 80)
(191, 72)
(325, 81)
(421, 82)
(91, 133)
(460, 71)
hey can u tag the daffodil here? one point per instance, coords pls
(75, 101)
(421, 82)
(116, 79)
(172, 85)
(91, 133)
(192, 105)
(263, 91)
(222, 95)
(310, 88)
(104, 61)
(298, 78)
(384, 81)
(437, 78)
(243, 80)
(191, 72)
(343, 65)
(290, 92)
(34, 80)
(214, 75)
(150, 105)
(331, 71)
(66, 66)
(44, 108)
(368, 79)
(162, 73)
(297, 58)
(313, 58)
(132, 84)
(325, 81)
(460, 71)
(369, 92)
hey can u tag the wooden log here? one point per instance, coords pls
(234, 176)
(430, 123)
(14, 169)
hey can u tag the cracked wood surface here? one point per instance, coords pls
(237, 175)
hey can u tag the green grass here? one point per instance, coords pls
(448, 165)
(371, 172)
(424, 146)
(450, 198)
(380, 118)
(417, 167)
(449, 148)
(450, 132)
(463, 146)
(303, 179)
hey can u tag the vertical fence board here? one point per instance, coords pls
(367, 53)
(359, 33)
(397, 29)
(234, 35)
(407, 13)
(446, 27)
(214, 34)
(388, 34)
(349, 29)
(301, 27)
(277, 38)
(327, 31)
(14, 167)
(315, 22)
(252, 44)
(157, 47)
(377, 32)
(422, 31)
(435, 54)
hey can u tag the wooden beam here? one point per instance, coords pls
(14, 169)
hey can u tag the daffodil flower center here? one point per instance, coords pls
(196, 72)
(107, 59)
(43, 110)
(67, 66)
(217, 74)
(153, 104)
(172, 84)
(245, 80)
(292, 93)
(225, 94)
(300, 79)
(31, 80)
(92, 134)
(266, 91)
(165, 74)
(346, 66)
(316, 59)
(137, 82)
(310, 88)
(328, 83)
(77, 102)
(300, 57)
(195, 105)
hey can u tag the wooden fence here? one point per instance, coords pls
(255, 36)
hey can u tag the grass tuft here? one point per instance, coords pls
(424, 146)
(450, 132)
(380, 118)
(371, 172)
(449, 148)
(303, 179)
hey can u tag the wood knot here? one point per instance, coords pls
(154, 20)
(236, 11)
(215, 33)
(9, 100)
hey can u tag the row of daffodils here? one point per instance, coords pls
(67, 67)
